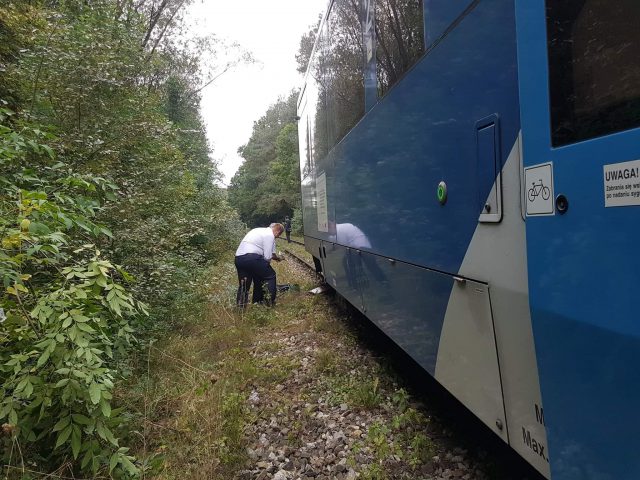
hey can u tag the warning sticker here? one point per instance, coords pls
(538, 189)
(321, 192)
(622, 184)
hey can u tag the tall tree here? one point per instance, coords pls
(267, 185)
(120, 205)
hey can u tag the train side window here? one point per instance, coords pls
(304, 137)
(399, 39)
(594, 73)
(317, 90)
(344, 69)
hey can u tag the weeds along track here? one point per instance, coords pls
(290, 392)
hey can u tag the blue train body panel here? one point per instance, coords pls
(394, 296)
(584, 269)
(439, 17)
(452, 117)
(403, 259)
(391, 163)
(388, 245)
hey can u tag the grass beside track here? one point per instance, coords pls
(192, 387)
(194, 383)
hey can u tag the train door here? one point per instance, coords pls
(580, 102)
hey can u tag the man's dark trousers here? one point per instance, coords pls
(288, 233)
(253, 268)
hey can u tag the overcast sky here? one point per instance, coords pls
(271, 31)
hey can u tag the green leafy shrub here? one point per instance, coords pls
(121, 92)
(67, 319)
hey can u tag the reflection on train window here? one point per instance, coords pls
(307, 151)
(343, 69)
(594, 72)
(310, 110)
(318, 98)
(304, 136)
(399, 39)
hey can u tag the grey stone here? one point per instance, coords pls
(280, 475)
(252, 454)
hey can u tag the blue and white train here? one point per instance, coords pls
(471, 182)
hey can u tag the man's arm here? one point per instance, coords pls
(269, 248)
(274, 255)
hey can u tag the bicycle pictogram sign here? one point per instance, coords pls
(538, 189)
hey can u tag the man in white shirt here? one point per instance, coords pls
(253, 257)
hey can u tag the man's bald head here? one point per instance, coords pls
(277, 229)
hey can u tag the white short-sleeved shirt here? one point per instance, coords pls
(260, 241)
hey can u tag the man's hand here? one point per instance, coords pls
(277, 257)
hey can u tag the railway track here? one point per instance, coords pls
(464, 428)
(299, 260)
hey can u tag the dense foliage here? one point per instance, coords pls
(67, 316)
(107, 200)
(266, 187)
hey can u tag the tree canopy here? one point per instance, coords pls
(266, 187)
(109, 213)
